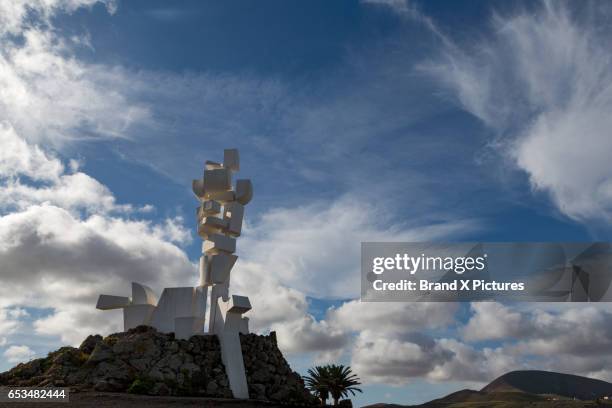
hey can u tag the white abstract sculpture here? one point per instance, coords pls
(183, 310)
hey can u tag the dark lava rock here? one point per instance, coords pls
(144, 361)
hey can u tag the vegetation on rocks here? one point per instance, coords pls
(144, 361)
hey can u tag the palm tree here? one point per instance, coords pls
(334, 380)
(340, 381)
(316, 381)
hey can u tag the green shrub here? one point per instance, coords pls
(110, 340)
(141, 385)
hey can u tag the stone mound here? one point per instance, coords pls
(144, 361)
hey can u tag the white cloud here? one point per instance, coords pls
(45, 93)
(540, 81)
(305, 334)
(173, 230)
(398, 342)
(493, 321)
(392, 360)
(392, 317)
(472, 364)
(18, 312)
(582, 331)
(9, 320)
(54, 255)
(19, 158)
(315, 247)
(73, 191)
(53, 259)
(564, 338)
(314, 250)
(384, 341)
(15, 14)
(17, 354)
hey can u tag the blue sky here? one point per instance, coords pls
(303, 64)
(356, 120)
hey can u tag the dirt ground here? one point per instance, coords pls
(116, 400)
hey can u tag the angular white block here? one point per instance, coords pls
(185, 327)
(227, 327)
(197, 186)
(221, 196)
(208, 207)
(220, 265)
(218, 292)
(211, 165)
(136, 315)
(244, 325)
(244, 191)
(109, 302)
(143, 295)
(234, 213)
(217, 180)
(199, 303)
(238, 304)
(231, 159)
(173, 303)
(205, 278)
(219, 243)
(212, 225)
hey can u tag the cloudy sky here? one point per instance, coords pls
(356, 120)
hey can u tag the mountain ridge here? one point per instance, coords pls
(516, 388)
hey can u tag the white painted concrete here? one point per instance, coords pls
(182, 310)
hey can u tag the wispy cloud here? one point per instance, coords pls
(48, 95)
(539, 81)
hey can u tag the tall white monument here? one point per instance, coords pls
(183, 310)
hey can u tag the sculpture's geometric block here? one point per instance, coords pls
(143, 295)
(219, 243)
(219, 266)
(212, 225)
(185, 327)
(136, 315)
(244, 325)
(208, 207)
(173, 303)
(205, 278)
(234, 212)
(217, 180)
(205, 273)
(183, 310)
(227, 327)
(197, 187)
(231, 159)
(199, 303)
(244, 191)
(211, 165)
(109, 302)
(218, 295)
(222, 196)
(238, 304)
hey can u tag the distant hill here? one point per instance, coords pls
(545, 382)
(521, 388)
